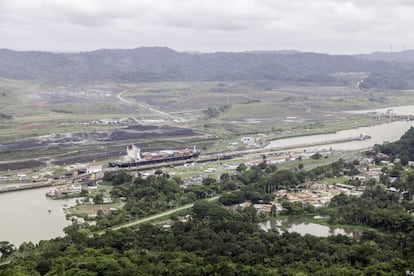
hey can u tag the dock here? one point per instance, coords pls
(204, 158)
(20, 186)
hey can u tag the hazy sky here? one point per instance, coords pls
(328, 26)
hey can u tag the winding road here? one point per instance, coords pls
(145, 106)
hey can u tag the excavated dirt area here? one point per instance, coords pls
(112, 140)
(134, 132)
(20, 165)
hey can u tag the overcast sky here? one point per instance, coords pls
(327, 26)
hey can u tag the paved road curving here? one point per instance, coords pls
(145, 106)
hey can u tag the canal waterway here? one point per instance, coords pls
(30, 216)
(385, 132)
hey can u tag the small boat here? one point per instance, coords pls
(363, 136)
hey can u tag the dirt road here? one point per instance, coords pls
(146, 106)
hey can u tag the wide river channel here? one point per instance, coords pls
(385, 132)
(30, 216)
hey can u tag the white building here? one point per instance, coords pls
(247, 140)
(133, 152)
(93, 168)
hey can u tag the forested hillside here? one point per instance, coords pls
(221, 242)
(163, 64)
(402, 149)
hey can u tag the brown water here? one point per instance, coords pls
(303, 228)
(25, 216)
(379, 134)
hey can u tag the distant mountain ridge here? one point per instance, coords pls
(153, 64)
(404, 56)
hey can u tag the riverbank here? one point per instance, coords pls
(324, 221)
(20, 186)
(28, 215)
(334, 129)
(379, 133)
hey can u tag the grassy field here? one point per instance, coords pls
(41, 108)
(332, 181)
(91, 210)
(217, 168)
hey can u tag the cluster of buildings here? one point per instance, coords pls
(65, 191)
(84, 177)
(114, 121)
(318, 194)
(249, 142)
(191, 181)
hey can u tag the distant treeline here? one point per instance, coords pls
(402, 149)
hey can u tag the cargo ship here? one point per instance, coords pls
(136, 158)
